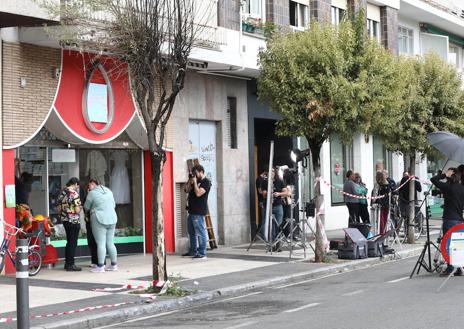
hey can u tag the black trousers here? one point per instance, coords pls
(72, 234)
(353, 210)
(91, 243)
(364, 213)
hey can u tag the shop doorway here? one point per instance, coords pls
(265, 132)
(202, 139)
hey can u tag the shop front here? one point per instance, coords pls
(92, 130)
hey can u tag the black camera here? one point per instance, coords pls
(192, 174)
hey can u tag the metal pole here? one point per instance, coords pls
(268, 220)
(22, 283)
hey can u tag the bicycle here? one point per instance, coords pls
(401, 221)
(34, 256)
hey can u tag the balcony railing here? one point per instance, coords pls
(209, 34)
(447, 6)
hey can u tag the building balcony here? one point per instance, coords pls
(24, 13)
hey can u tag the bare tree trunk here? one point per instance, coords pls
(315, 156)
(159, 252)
(412, 203)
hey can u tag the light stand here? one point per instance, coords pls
(269, 217)
(420, 261)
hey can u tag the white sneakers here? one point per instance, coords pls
(107, 268)
(111, 267)
(98, 269)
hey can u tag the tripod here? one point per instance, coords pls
(422, 261)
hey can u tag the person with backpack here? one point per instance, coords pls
(69, 207)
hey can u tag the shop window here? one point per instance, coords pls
(232, 121)
(405, 40)
(382, 157)
(337, 15)
(341, 160)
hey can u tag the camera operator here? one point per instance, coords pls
(197, 188)
(453, 193)
(279, 192)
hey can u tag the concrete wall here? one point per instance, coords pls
(205, 98)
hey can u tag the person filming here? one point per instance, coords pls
(197, 188)
(453, 194)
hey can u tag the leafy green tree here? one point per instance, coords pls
(432, 100)
(324, 81)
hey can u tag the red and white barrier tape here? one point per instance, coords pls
(85, 309)
(159, 284)
(366, 197)
(164, 285)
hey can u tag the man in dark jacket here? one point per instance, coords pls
(404, 194)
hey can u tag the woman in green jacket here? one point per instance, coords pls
(361, 189)
(101, 205)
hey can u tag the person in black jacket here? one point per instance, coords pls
(453, 193)
(404, 194)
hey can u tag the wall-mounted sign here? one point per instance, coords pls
(63, 155)
(10, 196)
(98, 101)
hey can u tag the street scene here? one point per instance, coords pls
(231, 163)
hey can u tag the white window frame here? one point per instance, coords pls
(371, 23)
(254, 8)
(301, 15)
(337, 15)
(458, 53)
(407, 34)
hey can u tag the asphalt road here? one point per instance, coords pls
(382, 296)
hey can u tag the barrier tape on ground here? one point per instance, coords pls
(159, 284)
(80, 310)
(164, 285)
(365, 197)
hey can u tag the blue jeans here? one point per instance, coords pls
(196, 228)
(278, 212)
(447, 224)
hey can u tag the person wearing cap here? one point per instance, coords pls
(69, 207)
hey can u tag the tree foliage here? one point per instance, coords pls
(432, 100)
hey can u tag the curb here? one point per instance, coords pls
(112, 317)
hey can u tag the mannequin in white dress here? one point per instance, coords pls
(119, 180)
(96, 166)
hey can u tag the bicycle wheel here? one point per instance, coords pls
(35, 262)
(2, 260)
(418, 225)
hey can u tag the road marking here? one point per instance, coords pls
(245, 324)
(306, 281)
(140, 319)
(301, 308)
(398, 280)
(356, 292)
(243, 296)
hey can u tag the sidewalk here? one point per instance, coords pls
(228, 270)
